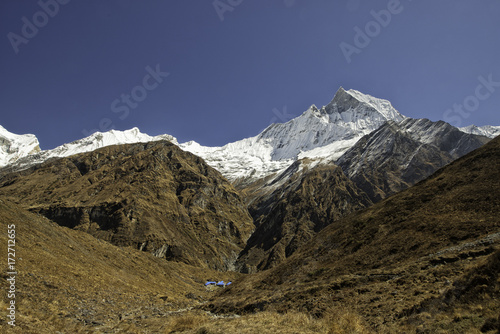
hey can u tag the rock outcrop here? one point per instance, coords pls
(151, 196)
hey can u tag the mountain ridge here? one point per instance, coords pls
(337, 126)
(91, 143)
(150, 196)
(318, 133)
(290, 208)
(398, 155)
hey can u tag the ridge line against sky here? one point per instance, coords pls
(219, 71)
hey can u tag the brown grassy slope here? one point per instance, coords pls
(340, 322)
(473, 301)
(384, 260)
(69, 281)
(151, 196)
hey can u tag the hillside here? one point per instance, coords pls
(71, 282)
(411, 249)
(153, 197)
(293, 207)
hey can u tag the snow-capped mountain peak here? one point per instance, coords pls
(349, 115)
(352, 101)
(88, 144)
(487, 130)
(316, 133)
(102, 139)
(14, 147)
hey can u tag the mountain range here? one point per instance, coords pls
(319, 134)
(295, 179)
(349, 206)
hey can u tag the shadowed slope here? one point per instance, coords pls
(152, 196)
(398, 155)
(301, 202)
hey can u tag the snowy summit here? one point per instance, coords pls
(317, 133)
(88, 144)
(14, 147)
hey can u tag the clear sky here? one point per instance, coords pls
(219, 71)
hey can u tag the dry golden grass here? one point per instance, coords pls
(337, 322)
(69, 281)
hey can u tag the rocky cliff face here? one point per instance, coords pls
(398, 155)
(151, 196)
(290, 209)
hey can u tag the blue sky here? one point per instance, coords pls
(219, 71)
